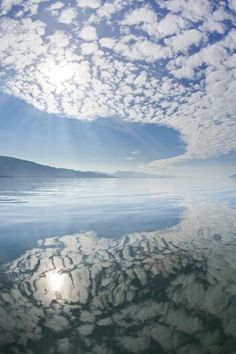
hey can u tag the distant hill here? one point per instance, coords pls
(233, 176)
(12, 167)
(133, 174)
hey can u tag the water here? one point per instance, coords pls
(117, 266)
(32, 209)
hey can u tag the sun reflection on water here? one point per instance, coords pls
(55, 281)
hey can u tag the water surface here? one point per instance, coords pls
(117, 266)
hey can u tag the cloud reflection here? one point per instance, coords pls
(146, 292)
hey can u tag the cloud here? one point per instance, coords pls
(88, 33)
(134, 155)
(172, 64)
(183, 41)
(232, 5)
(189, 9)
(141, 15)
(107, 10)
(67, 16)
(107, 42)
(54, 8)
(89, 48)
(135, 152)
(140, 49)
(93, 4)
(19, 7)
(130, 158)
(146, 19)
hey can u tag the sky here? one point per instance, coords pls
(107, 85)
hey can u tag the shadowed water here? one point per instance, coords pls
(129, 266)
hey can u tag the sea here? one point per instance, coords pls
(118, 265)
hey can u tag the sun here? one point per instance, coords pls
(60, 73)
(57, 73)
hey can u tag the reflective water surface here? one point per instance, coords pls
(31, 209)
(127, 266)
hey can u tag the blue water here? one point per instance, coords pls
(32, 209)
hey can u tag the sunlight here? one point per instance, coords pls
(57, 74)
(55, 281)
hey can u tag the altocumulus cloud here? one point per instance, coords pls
(167, 62)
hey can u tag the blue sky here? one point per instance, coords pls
(109, 85)
(107, 144)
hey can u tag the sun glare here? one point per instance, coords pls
(60, 73)
(57, 73)
(55, 281)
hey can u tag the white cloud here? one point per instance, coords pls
(54, 8)
(17, 49)
(170, 25)
(146, 19)
(232, 5)
(29, 8)
(67, 16)
(214, 55)
(189, 9)
(89, 48)
(58, 39)
(108, 9)
(93, 4)
(213, 26)
(107, 42)
(142, 15)
(140, 49)
(183, 41)
(88, 33)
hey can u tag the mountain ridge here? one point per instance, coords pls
(15, 167)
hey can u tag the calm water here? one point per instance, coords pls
(117, 266)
